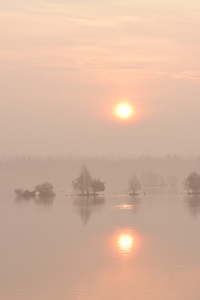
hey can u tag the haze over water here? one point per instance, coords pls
(99, 98)
(66, 64)
(112, 247)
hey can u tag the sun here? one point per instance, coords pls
(124, 110)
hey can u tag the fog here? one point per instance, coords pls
(100, 149)
(66, 64)
(156, 174)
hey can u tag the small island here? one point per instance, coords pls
(86, 185)
(192, 184)
(133, 186)
(41, 190)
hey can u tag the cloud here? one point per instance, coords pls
(193, 76)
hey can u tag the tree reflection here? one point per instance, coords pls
(135, 201)
(193, 204)
(23, 199)
(88, 205)
(46, 201)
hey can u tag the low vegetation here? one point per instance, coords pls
(192, 183)
(25, 193)
(42, 190)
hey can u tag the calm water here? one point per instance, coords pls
(108, 248)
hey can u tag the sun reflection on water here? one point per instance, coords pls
(126, 242)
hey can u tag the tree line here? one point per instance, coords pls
(86, 185)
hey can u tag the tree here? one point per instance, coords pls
(83, 181)
(192, 183)
(45, 189)
(25, 193)
(86, 179)
(134, 185)
(19, 192)
(97, 185)
(78, 184)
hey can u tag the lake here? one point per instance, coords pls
(103, 248)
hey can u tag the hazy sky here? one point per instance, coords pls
(64, 65)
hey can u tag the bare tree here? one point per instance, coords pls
(86, 178)
(78, 184)
(97, 185)
(134, 185)
(83, 181)
(192, 183)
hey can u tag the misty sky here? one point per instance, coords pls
(65, 64)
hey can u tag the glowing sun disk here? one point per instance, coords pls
(124, 110)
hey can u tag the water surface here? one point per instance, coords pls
(103, 248)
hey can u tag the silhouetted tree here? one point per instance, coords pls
(134, 185)
(78, 184)
(19, 192)
(83, 181)
(45, 189)
(192, 183)
(24, 193)
(85, 184)
(97, 185)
